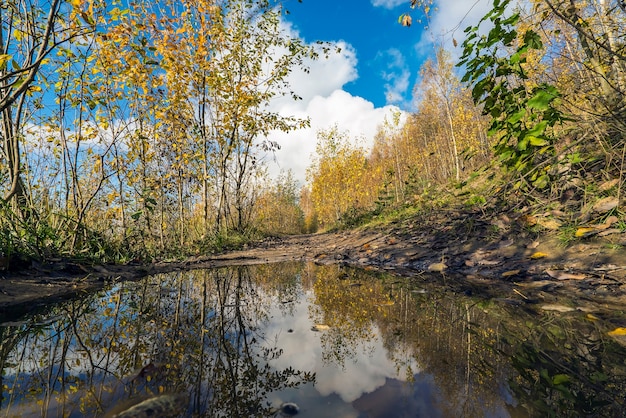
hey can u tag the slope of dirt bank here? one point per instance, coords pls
(465, 251)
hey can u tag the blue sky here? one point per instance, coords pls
(387, 52)
(372, 77)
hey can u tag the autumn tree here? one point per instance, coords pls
(340, 177)
(277, 209)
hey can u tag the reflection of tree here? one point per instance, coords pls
(200, 333)
(565, 369)
(348, 306)
(195, 332)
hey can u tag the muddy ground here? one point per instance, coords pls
(466, 252)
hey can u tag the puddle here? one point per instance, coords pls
(306, 340)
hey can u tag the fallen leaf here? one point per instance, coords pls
(551, 224)
(609, 232)
(510, 273)
(608, 185)
(437, 267)
(592, 317)
(563, 275)
(606, 204)
(618, 331)
(558, 308)
(319, 327)
(586, 232)
(538, 255)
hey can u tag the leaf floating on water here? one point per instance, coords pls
(538, 255)
(319, 327)
(618, 332)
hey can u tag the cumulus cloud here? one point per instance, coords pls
(448, 20)
(326, 104)
(349, 113)
(388, 4)
(396, 75)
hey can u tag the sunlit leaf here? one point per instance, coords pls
(618, 332)
(585, 232)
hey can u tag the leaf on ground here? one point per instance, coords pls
(585, 231)
(538, 255)
(437, 267)
(606, 204)
(551, 224)
(609, 232)
(563, 275)
(618, 332)
(608, 185)
(529, 220)
(510, 273)
(557, 308)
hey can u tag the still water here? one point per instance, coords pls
(310, 340)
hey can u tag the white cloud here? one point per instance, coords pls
(397, 76)
(448, 20)
(388, 4)
(326, 104)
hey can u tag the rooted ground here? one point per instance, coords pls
(463, 251)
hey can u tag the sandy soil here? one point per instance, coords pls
(466, 252)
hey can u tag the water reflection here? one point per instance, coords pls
(337, 342)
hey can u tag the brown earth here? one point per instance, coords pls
(468, 252)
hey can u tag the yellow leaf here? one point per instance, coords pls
(592, 317)
(4, 58)
(437, 267)
(618, 331)
(510, 273)
(585, 232)
(538, 255)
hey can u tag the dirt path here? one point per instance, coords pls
(465, 251)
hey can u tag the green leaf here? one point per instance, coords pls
(536, 141)
(515, 117)
(541, 100)
(560, 379)
(541, 182)
(538, 129)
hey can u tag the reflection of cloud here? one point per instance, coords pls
(402, 399)
(367, 371)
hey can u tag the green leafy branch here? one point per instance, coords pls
(521, 116)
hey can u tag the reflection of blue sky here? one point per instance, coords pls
(346, 389)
